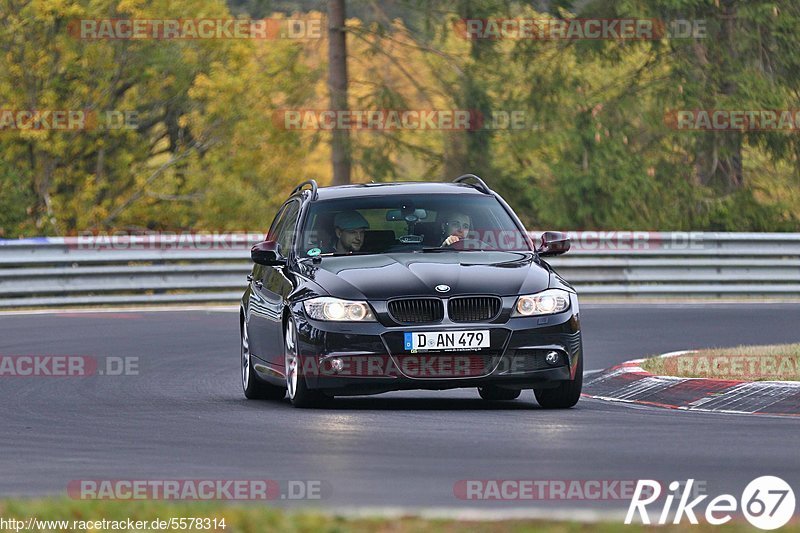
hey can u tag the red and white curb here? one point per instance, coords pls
(630, 383)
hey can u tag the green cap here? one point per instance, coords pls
(350, 220)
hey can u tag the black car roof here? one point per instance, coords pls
(405, 187)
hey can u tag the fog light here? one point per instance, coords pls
(552, 358)
(337, 364)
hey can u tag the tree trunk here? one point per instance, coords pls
(469, 151)
(337, 86)
(719, 154)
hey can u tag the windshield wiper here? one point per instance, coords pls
(332, 254)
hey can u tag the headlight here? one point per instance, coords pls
(546, 302)
(336, 310)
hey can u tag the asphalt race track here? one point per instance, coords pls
(184, 417)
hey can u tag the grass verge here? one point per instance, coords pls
(258, 518)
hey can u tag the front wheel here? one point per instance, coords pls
(299, 393)
(565, 395)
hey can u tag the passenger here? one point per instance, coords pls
(349, 227)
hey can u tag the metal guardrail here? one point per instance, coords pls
(212, 268)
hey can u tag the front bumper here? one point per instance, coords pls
(374, 360)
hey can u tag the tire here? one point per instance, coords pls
(254, 388)
(565, 395)
(493, 393)
(299, 393)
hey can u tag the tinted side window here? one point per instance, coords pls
(286, 228)
(277, 223)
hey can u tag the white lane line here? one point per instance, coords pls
(674, 354)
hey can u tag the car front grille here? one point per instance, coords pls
(473, 308)
(417, 310)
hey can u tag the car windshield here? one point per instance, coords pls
(408, 224)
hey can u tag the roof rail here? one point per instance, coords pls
(313, 184)
(480, 185)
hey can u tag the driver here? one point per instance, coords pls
(456, 226)
(349, 227)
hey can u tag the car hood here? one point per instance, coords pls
(380, 277)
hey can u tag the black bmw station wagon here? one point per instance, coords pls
(369, 288)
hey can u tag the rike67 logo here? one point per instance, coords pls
(767, 502)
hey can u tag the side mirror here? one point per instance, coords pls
(267, 253)
(553, 243)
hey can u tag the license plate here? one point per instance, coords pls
(446, 340)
